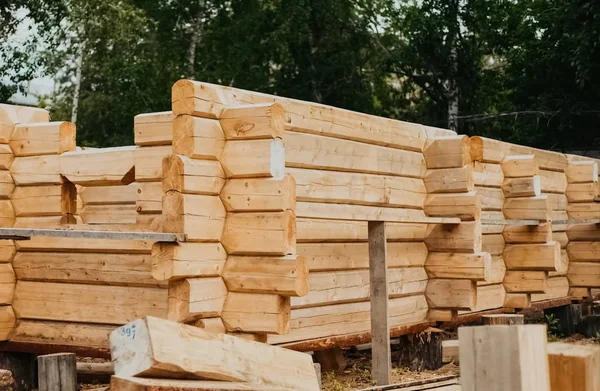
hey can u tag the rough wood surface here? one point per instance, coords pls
(505, 319)
(574, 367)
(57, 372)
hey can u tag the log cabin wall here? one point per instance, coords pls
(272, 194)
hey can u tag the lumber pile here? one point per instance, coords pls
(160, 354)
(583, 191)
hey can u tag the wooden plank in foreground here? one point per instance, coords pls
(140, 384)
(26, 233)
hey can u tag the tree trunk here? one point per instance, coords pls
(77, 83)
(453, 92)
(197, 34)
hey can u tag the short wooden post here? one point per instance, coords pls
(506, 319)
(57, 372)
(380, 331)
(574, 367)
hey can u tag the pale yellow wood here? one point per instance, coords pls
(582, 171)
(153, 128)
(584, 210)
(162, 348)
(209, 100)
(447, 151)
(73, 267)
(583, 251)
(580, 293)
(525, 281)
(356, 188)
(10, 115)
(254, 158)
(6, 156)
(487, 174)
(322, 230)
(340, 319)
(562, 238)
(98, 167)
(493, 151)
(62, 333)
(246, 122)
(353, 285)
(557, 201)
(357, 212)
(436, 315)
(260, 194)
(149, 197)
(584, 274)
(43, 138)
(191, 176)
(197, 138)
(213, 325)
(148, 162)
(528, 233)
(256, 313)
(7, 214)
(553, 182)
(467, 206)
(557, 215)
(340, 256)
(195, 298)
(536, 256)
(517, 300)
(109, 214)
(454, 294)
(7, 321)
(7, 185)
(583, 192)
(489, 217)
(450, 350)
(496, 271)
(574, 367)
(43, 200)
(490, 297)
(311, 151)
(583, 232)
(142, 384)
(475, 267)
(262, 233)
(465, 237)
(87, 303)
(200, 217)
(172, 261)
(558, 287)
(286, 276)
(36, 170)
(522, 187)
(449, 180)
(7, 283)
(112, 195)
(7, 251)
(519, 166)
(503, 358)
(433, 132)
(41, 243)
(491, 198)
(522, 208)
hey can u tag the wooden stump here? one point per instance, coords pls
(7, 382)
(421, 351)
(330, 359)
(57, 372)
(590, 326)
(504, 319)
(23, 368)
(569, 316)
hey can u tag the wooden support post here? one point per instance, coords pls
(421, 351)
(23, 368)
(506, 319)
(330, 359)
(568, 316)
(57, 372)
(380, 331)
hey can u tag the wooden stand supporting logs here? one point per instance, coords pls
(421, 352)
(502, 319)
(154, 347)
(57, 372)
(503, 358)
(331, 360)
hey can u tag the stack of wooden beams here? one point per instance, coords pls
(152, 353)
(455, 263)
(10, 118)
(108, 204)
(583, 192)
(153, 135)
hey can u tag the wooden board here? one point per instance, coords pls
(174, 350)
(98, 167)
(536, 256)
(148, 162)
(522, 208)
(7, 322)
(557, 287)
(149, 198)
(320, 210)
(553, 182)
(323, 230)
(197, 138)
(464, 237)
(573, 367)
(172, 261)
(525, 281)
(195, 298)
(582, 171)
(584, 274)
(53, 200)
(209, 100)
(10, 115)
(522, 187)
(256, 313)
(311, 151)
(42, 138)
(259, 194)
(528, 234)
(94, 268)
(583, 232)
(447, 151)
(357, 188)
(87, 303)
(475, 267)
(489, 297)
(450, 180)
(487, 174)
(583, 192)
(36, 170)
(493, 244)
(7, 283)
(7, 185)
(153, 128)
(191, 176)
(112, 195)
(142, 384)
(109, 214)
(201, 217)
(584, 210)
(491, 198)
(344, 256)
(584, 251)
(519, 166)
(467, 206)
(57, 244)
(452, 294)
(248, 122)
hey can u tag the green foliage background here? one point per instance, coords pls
(525, 71)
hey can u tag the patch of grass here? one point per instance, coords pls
(554, 333)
